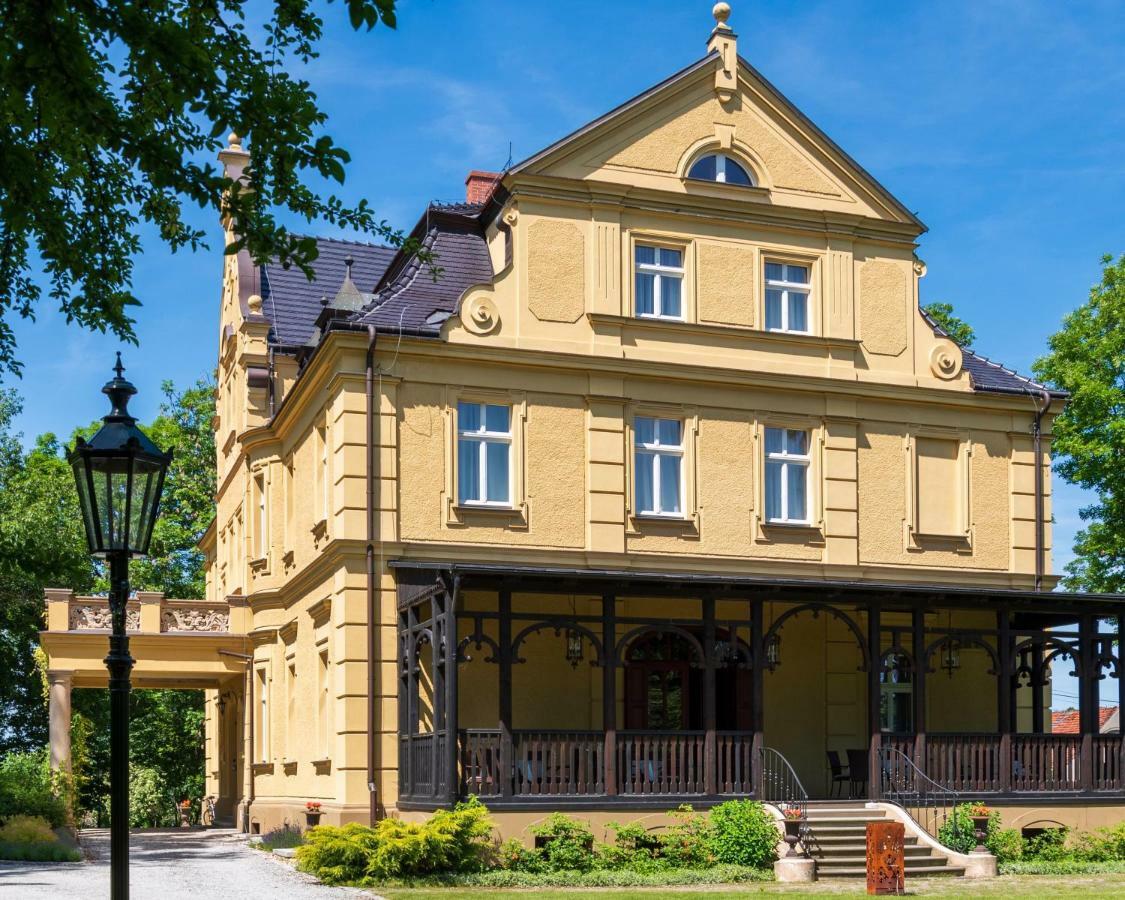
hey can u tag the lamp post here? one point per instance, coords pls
(119, 474)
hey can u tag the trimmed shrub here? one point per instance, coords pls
(1006, 844)
(687, 843)
(566, 844)
(28, 788)
(40, 851)
(742, 833)
(450, 841)
(26, 830)
(1049, 844)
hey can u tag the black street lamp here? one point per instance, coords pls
(119, 474)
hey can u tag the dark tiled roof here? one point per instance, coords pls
(989, 376)
(291, 302)
(410, 297)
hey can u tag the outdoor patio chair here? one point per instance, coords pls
(857, 773)
(840, 775)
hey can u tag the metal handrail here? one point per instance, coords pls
(903, 783)
(779, 784)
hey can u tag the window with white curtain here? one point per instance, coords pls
(787, 475)
(787, 297)
(484, 454)
(658, 466)
(659, 276)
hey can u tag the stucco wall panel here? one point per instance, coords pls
(883, 301)
(726, 278)
(556, 270)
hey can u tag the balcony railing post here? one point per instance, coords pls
(1088, 697)
(918, 651)
(452, 751)
(757, 652)
(609, 691)
(1004, 698)
(507, 763)
(710, 783)
(874, 723)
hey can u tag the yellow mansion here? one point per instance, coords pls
(649, 475)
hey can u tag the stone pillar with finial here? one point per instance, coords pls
(724, 41)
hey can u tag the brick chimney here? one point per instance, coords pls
(480, 185)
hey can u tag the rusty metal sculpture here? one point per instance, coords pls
(886, 862)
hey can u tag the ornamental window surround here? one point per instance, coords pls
(787, 464)
(658, 467)
(484, 454)
(658, 282)
(787, 297)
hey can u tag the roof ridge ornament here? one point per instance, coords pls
(724, 41)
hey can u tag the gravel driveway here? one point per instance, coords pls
(170, 864)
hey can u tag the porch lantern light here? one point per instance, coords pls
(951, 656)
(575, 650)
(773, 651)
(119, 474)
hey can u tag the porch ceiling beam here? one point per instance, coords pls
(549, 580)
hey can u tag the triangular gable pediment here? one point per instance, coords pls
(650, 140)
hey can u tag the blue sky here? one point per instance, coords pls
(1000, 123)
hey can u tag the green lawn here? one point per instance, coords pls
(1015, 887)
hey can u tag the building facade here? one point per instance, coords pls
(646, 466)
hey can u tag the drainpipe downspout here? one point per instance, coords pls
(372, 611)
(1041, 407)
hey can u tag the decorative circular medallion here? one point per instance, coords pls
(945, 359)
(480, 315)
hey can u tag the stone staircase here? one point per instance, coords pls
(838, 842)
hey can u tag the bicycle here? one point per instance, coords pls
(207, 813)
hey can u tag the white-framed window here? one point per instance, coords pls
(721, 168)
(261, 517)
(484, 454)
(787, 297)
(659, 282)
(787, 475)
(658, 466)
(263, 722)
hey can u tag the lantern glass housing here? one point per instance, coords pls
(574, 648)
(951, 656)
(773, 651)
(119, 474)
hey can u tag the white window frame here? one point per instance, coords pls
(788, 287)
(657, 451)
(658, 272)
(788, 461)
(482, 437)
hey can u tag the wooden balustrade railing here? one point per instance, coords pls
(558, 762)
(735, 752)
(652, 762)
(967, 763)
(480, 762)
(423, 770)
(1044, 763)
(1107, 749)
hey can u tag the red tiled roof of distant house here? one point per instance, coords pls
(1066, 721)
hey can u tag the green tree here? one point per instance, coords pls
(111, 115)
(959, 331)
(1087, 358)
(41, 543)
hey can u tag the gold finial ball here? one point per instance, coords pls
(721, 12)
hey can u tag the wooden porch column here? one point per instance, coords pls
(452, 746)
(1004, 696)
(437, 688)
(507, 766)
(1087, 697)
(1037, 688)
(757, 718)
(609, 691)
(874, 725)
(918, 651)
(710, 775)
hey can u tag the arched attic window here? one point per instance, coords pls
(721, 168)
